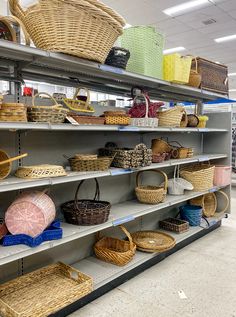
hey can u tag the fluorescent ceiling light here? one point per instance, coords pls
(174, 50)
(231, 74)
(184, 7)
(226, 38)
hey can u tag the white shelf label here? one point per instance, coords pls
(203, 130)
(115, 172)
(128, 128)
(111, 69)
(122, 220)
(203, 159)
(214, 189)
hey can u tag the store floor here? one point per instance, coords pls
(205, 271)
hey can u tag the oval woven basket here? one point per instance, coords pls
(81, 28)
(84, 165)
(160, 146)
(40, 171)
(13, 112)
(171, 117)
(153, 241)
(200, 176)
(114, 250)
(151, 194)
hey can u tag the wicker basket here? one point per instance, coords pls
(79, 164)
(160, 146)
(159, 157)
(151, 194)
(116, 118)
(118, 57)
(81, 28)
(77, 103)
(115, 251)
(208, 202)
(193, 120)
(51, 114)
(44, 291)
(195, 78)
(6, 163)
(175, 225)
(13, 112)
(184, 120)
(178, 151)
(153, 241)
(171, 117)
(86, 212)
(87, 120)
(199, 175)
(40, 171)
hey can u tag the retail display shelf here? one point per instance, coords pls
(120, 213)
(14, 183)
(36, 64)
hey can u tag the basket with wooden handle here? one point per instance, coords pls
(6, 163)
(77, 103)
(195, 77)
(178, 151)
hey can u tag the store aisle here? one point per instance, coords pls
(205, 271)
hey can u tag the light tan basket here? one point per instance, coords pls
(153, 241)
(44, 291)
(200, 176)
(171, 117)
(81, 28)
(117, 118)
(6, 163)
(40, 171)
(13, 112)
(151, 194)
(79, 105)
(86, 165)
(115, 251)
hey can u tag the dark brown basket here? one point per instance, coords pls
(85, 212)
(192, 120)
(173, 224)
(214, 76)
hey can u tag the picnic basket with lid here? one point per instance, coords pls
(79, 103)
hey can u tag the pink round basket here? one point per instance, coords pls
(31, 213)
(222, 175)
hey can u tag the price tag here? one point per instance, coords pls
(120, 171)
(203, 130)
(203, 159)
(111, 69)
(71, 120)
(123, 220)
(214, 189)
(129, 128)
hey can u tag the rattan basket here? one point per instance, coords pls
(13, 112)
(40, 171)
(81, 28)
(192, 120)
(160, 146)
(6, 163)
(117, 118)
(86, 212)
(175, 225)
(51, 114)
(153, 241)
(114, 250)
(200, 176)
(79, 164)
(79, 105)
(171, 117)
(178, 151)
(87, 120)
(44, 291)
(151, 194)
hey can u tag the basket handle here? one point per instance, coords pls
(45, 93)
(87, 91)
(175, 142)
(96, 196)
(16, 9)
(12, 159)
(226, 201)
(14, 19)
(146, 103)
(126, 232)
(156, 171)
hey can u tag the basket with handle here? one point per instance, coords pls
(177, 68)
(160, 146)
(114, 250)
(144, 122)
(171, 117)
(148, 194)
(195, 77)
(79, 105)
(85, 212)
(193, 120)
(81, 28)
(51, 114)
(6, 163)
(177, 185)
(178, 151)
(192, 214)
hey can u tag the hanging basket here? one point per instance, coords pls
(115, 251)
(77, 103)
(171, 117)
(151, 194)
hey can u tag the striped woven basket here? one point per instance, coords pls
(171, 117)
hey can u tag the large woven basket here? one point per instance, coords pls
(13, 112)
(81, 28)
(6, 163)
(51, 114)
(44, 291)
(85, 164)
(40, 171)
(200, 176)
(114, 250)
(76, 104)
(151, 194)
(171, 117)
(153, 241)
(86, 212)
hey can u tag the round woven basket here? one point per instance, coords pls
(6, 163)
(153, 241)
(160, 146)
(200, 176)
(115, 251)
(171, 117)
(40, 171)
(192, 120)
(151, 194)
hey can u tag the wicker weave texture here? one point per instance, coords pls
(175, 225)
(117, 120)
(160, 146)
(84, 165)
(40, 171)
(13, 112)
(88, 119)
(171, 117)
(77, 104)
(5, 169)
(44, 291)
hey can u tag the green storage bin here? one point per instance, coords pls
(146, 50)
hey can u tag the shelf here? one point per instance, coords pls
(14, 183)
(56, 68)
(120, 213)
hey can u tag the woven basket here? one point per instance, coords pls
(81, 28)
(13, 112)
(151, 194)
(208, 202)
(175, 225)
(116, 118)
(184, 120)
(158, 158)
(118, 57)
(40, 171)
(160, 146)
(6, 163)
(51, 114)
(193, 120)
(83, 165)
(199, 175)
(153, 241)
(44, 291)
(87, 120)
(178, 151)
(86, 212)
(79, 105)
(171, 117)
(115, 251)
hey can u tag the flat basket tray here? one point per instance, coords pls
(43, 292)
(40, 171)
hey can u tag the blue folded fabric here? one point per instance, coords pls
(53, 232)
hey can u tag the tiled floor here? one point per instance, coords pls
(205, 271)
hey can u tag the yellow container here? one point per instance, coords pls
(177, 68)
(202, 121)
